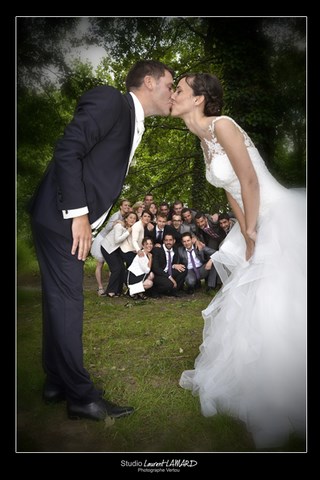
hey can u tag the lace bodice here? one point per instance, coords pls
(220, 173)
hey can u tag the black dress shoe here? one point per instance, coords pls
(52, 394)
(94, 410)
(116, 411)
(97, 410)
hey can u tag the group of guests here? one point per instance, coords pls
(157, 251)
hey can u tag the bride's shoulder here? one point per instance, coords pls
(223, 119)
(222, 123)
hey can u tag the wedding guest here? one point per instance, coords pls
(138, 208)
(226, 222)
(169, 271)
(96, 244)
(198, 263)
(140, 278)
(110, 249)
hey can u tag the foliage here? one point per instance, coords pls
(288, 75)
(40, 48)
(82, 79)
(260, 61)
(26, 262)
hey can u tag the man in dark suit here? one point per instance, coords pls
(78, 190)
(208, 232)
(198, 263)
(160, 229)
(169, 272)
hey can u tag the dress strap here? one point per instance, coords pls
(247, 140)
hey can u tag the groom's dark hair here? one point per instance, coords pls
(145, 67)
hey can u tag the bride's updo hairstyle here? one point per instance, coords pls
(209, 86)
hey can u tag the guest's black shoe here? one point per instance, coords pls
(97, 410)
(176, 293)
(52, 394)
(210, 289)
(153, 294)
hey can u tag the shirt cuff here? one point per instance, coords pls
(75, 212)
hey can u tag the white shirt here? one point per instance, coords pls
(139, 126)
(138, 132)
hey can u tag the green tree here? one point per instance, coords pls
(41, 47)
(261, 64)
(288, 69)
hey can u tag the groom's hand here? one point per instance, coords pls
(82, 236)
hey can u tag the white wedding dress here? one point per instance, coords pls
(252, 362)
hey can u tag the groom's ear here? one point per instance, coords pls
(148, 81)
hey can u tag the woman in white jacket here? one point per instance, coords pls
(111, 253)
(140, 277)
(95, 250)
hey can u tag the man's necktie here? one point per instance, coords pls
(210, 232)
(197, 274)
(169, 263)
(159, 236)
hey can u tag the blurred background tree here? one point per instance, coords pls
(261, 63)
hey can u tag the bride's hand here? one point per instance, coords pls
(253, 236)
(250, 241)
(249, 249)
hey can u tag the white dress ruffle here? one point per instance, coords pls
(252, 362)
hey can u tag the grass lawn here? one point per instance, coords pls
(136, 351)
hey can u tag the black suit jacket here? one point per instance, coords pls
(209, 241)
(159, 260)
(167, 229)
(90, 160)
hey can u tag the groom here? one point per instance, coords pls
(78, 190)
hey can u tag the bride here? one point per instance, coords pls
(252, 362)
